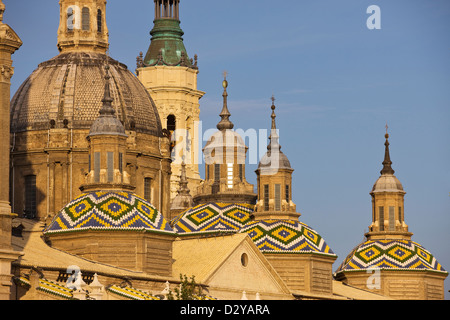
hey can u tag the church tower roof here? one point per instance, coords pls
(225, 123)
(274, 159)
(167, 47)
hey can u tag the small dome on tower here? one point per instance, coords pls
(387, 182)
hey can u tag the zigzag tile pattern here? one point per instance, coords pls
(213, 218)
(390, 255)
(286, 236)
(108, 211)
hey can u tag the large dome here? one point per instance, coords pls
(67, 91)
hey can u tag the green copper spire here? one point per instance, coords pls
(166, 46)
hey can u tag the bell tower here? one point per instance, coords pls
(82, 26)
(388, 221)
(170, 76)
(274, 181)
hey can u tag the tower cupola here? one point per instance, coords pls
(107, 151)
(274, 180)
(82, 26)
(388, 203)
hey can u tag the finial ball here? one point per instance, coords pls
(225, 84)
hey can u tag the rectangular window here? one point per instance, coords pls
(90, 165)
(277, 197)
(381, 218)
(217, 172)
(400, 218)
(30, 197)
(148, 189)
(391, 219)
(287, 193)
(207, 172)
(266, 197)
(97, 167)
(241, 172)
(110, 166)
(85, 19)
(120, 162)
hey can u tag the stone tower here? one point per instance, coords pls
(9, 43)
(274, 180)
(388, 262)
(297, 252)
(83, 26)
(225, 154)
(170, 76)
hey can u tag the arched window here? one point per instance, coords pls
(85, 19)
(70, 19)
(99, 20)
(171, 123)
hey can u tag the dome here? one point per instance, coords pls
(108, 211)
(279, 161)
(67, 91)
(390, 255)
(213, 218)
(387, 183)
(228, 138)
(286, 236)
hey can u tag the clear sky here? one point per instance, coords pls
(336, 84)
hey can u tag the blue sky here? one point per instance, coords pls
(336, 85)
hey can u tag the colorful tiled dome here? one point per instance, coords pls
(112, 211)
(390, 255)
(213, 218)
(286, 236)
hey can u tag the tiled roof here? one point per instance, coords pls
(390, 255)
(112, 211)
(131, 293)
(47, 286)
(213, 218)
(286, 236)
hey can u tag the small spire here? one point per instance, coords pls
(107, 108)
(183, 189)
(387, 169)
(225, 123)
(274, 138)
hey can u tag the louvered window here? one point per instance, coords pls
(391, 219)
(381, 218)
(97, 166)
(85, 19)
(110, 166)
(148, 189)
(266, 197)
(277, 197)
(30, 197)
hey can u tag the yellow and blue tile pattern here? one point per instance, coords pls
(390, 255)
(213, 218)
(108, 211)
(286, 236)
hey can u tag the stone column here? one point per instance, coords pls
(9, 43)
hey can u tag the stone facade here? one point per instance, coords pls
(9, 43)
